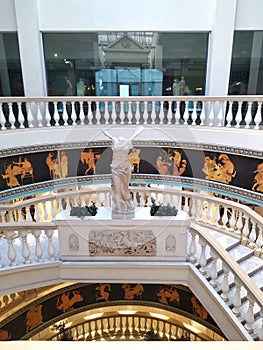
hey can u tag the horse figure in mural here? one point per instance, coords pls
(131, 292)
(102, 294)
(168, 293)
(66, 300)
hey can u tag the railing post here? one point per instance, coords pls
(258, 117)
(25, 249)
(2, 118)
(11, 116)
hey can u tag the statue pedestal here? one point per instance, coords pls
(144, 237)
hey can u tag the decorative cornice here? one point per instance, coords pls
(173, 144)
(187, 182)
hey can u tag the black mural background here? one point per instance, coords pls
(18, 326)
(245, 167)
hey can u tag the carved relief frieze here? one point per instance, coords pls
(122, 243)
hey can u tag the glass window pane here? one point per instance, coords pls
(146, 63)
(11, 82)
(246, 75)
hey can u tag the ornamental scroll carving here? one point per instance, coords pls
(122, 243)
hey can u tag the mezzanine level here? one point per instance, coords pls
(29, 232)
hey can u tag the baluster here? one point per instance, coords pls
(65, 116)
(232, 220)
(142, 111)
(211, 115)
(89, 115)
(259, 242)
(45, 213)
(25, 248)
(192, 248)
(74, 116)
(39, 115)
(56, 116)
(229, 116)
(209, 217)
(249, 315)
(203, 114)
(11, 116)
(248, 116)
(129, 113)
(186, 113)
(220, 116)
(186, 205)
(51, 248)
(253, 235)
(177, 113)
(10, 235)
(107, 113)
(81, 113)
(114, 114)
(60, 204)
(53, 210)
(2, 118)
(213, 272)
(203, 260)
(121, 112)
(239, 223)
(237, 299)
(239, 115)
(225, 218)
(30, 117)
(245, 232)
(37, 216)
(257, 119)
(47, 114)
(217, 214)
(137, 112)
(193, 210)
(38, 248)
(225, 284)
(169, 114)
(201, 215)
(194, 113)
(20, 116)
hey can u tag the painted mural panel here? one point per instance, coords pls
(33, 317)
(232, 169)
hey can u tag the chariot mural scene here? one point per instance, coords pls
(25, 169)
(174, 298)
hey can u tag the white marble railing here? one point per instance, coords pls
(229, 111)
(223, 215)
(237, 290)
(25, 245)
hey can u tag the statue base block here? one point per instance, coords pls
(123, 215)
(140, 238)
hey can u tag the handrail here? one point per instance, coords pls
(217, 252)
(224, 215)
(253, 297)
(220, 111)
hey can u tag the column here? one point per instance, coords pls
(31, 48)
(220, 47)
(255, 63)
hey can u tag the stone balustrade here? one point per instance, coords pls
(228, 111)
(223, 215)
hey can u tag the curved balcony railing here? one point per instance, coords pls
(237, 293)
(223, 215)
(229, 111)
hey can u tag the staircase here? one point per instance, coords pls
(252, 266)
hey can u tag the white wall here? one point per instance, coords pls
(220, 17)
(7, 16)
(79, 15)
(249, 15)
